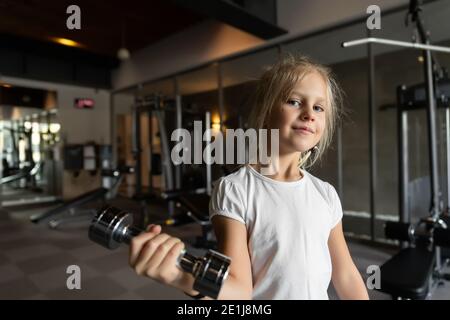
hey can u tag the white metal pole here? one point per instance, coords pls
(405, 44)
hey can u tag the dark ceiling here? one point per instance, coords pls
(102, 22)
(142, 22)
(28, 29)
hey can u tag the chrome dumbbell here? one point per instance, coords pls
(112, 226)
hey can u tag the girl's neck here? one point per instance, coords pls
(287, 168)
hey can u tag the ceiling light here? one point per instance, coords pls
(66, 42)
(123, 54)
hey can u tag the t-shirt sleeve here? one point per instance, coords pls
(336, 207)
(227, 200)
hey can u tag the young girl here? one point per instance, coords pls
(283, 231)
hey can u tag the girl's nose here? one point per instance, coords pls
(307, 114)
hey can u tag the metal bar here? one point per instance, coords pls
(23, 173)
(28, 201)
(208, 141)
(179, 121)
(2, 150)
(136, 134)
(221, 118)
(418, 46)
(340, 164)
(15, 145)
(432, 136)
(221, 95)
(447, 130)
(403, 159)
(150, 148)
(431, 118)
(372, 138)
(165, 153)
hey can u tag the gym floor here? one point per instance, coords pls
(34, 260)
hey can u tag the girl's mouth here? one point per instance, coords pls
(303, 130)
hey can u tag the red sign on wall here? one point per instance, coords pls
(84, 103)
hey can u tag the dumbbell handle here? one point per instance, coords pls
(129, 233)
(185, 261)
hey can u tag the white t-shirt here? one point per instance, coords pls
(288, 225)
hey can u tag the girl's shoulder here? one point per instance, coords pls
(326, 189)
(316, 180)
(236, 176)
(233, 182)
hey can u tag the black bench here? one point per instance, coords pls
(408, 273)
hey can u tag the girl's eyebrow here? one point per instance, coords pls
(319, 99)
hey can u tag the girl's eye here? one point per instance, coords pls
(318, 108)
(294, 103)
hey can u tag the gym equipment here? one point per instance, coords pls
(416, 271)
(426, 238)
(30, 161)
(412, 272)
(157, 106)
(193, 202)
(195, 205)
(112, 226)
(414, 97)
(110, 185)
(23, 173)
(22, 162)
(111, 180)
(153, 105)
(425, 232)
(69, 206)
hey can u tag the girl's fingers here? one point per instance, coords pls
(138, 241)
(160, 255)
(153, 228)
(168, 270)
(148, 250)
(172, 256)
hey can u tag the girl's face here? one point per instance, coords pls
(301, 119)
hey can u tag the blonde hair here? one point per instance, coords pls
(274, 88)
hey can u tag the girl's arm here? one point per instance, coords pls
(346, 278)
(232, 241)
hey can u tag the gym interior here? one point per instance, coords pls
(91, 94)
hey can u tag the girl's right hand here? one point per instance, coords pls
(154, 254)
